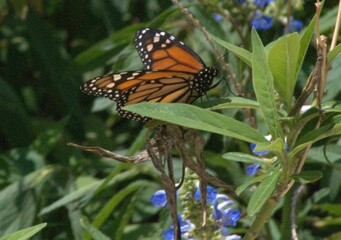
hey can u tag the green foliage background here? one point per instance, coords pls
(47, 50)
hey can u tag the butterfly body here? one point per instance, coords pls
(173, 73)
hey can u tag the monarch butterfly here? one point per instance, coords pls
(173, 73)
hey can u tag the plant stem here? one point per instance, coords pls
(261, 218)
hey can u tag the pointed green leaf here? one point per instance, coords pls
(242, 157)
(251, 181)
(95, 233)
(46, 141)
(331, 129)
(264, 86)
(305, 39)
(18, 132)
(242, 53)
(115, 200)
(87, 192)
(16, 214)
(237, 102)
(197, 118)
(24, 234)
(334, 53)
(263, 192)
(104, 50)
(275, 146)
(308, 176)
(282, 58)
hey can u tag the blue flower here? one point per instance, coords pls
(224, 231)
(261, 22)
(219, 204)
(252, 169)
(261, 153)
(159, 198)
(262, 3)
(222, 213)
(168, 234)
(217, 17)
(211, 194)
(286, 148)
(185, 226)
(295, 25)
(230, 217)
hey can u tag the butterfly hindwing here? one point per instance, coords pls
(131, 87)
(136, 86)
(111, 85)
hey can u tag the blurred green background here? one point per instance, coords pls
(48, 48)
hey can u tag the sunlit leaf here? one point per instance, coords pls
(24, 234)
(193, 117)
(264, 86)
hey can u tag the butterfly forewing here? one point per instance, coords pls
(159, 50)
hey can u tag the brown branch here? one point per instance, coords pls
(139, 158)
(159, 151)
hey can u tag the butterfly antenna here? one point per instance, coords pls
(229, 88)
(221, 57)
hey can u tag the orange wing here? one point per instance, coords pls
(114, 85)
(131, 87)
(159, 50)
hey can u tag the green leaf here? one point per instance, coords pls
(264, 86)
(242, 157)
(17, 132)
(125, 216)
(275, 146)
(52, 63)
(74, 196)
(333, 209)
(308, 176)
(311, 202)
(327, 21)
(197, 118)
(331, 107)
(19, 199)
(333, 84)
(24, 233)
(104, 50)
(305, 39)
(95, 233)
(101, 52)
(87, 192)
(251, 181)
(49, 138)
(282, 58)
(165, 17)
(333, 153)
(262, 193)
(319, 133)
(242, 53)
(237, 102)
(112, 204)
(334, 53)
(333, 128)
